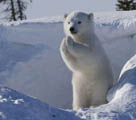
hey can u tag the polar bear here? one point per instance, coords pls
(84, 55)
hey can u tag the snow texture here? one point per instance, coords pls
(16, 106)
(30, 63)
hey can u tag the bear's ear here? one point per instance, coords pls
(90, 16)
(65, 16)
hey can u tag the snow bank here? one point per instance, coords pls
(16, 106)
(30, 61)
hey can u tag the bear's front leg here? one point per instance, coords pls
(64, 49)
(68, 58)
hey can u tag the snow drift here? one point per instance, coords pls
(30, 61)
(16, 106)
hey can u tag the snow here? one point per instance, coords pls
(16, 106)
(30, 63)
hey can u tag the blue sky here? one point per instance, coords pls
(45, 8)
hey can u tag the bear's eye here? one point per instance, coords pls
(79, 22)
(68, 22)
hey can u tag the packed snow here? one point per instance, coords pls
(30, 63)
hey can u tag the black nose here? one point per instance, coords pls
(72, 29)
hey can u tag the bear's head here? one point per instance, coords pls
(78, 24)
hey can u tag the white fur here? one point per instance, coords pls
(85, 57)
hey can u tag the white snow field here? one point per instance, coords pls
(30, 63)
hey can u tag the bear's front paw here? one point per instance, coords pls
(69, 41)
(63, 46)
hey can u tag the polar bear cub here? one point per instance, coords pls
(84, 55)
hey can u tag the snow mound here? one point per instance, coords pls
(16, 106)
